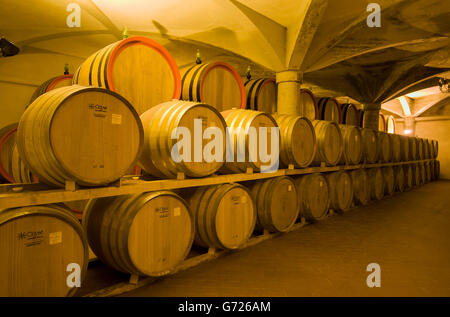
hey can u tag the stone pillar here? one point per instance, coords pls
(288, 86)
(371, 115)
(410, 124)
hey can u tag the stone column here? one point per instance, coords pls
(288, 86)
(410, 124)
(371, 115)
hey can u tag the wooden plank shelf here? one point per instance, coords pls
(19, 195)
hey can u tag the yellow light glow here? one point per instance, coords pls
(405, 105)
(407, 131)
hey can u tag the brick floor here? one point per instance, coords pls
(407, 234)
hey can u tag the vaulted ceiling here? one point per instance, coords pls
(329, 41)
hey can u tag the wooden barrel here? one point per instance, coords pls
(422, 173)
(376, 182)
(350, 114)
(369, 145)
(419, 149)
(7, 143)
(308, 105)
(313, 196)
(329, 110)
(426, 166)
(381, 123)
(416, 175)
(52, 83)
(88, 135)
(298, 140)
(341, 190)
(409, 181)
(361, 186)
(412, 148)
(163, 156)
(37, 245)
(435, 148)
(432, 170)
(395, 147)
(388, 180)
(147, 234)
(224, 215)
(353, 147)
(384, 147)
(20, 172)
(399, 178)
(241, 123)
(404, 148)
(329, 142)
(138, 68)
(261, 94)
(426, 149)
(217, 84)
(437, 169)
(276, 203)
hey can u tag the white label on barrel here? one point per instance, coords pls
(116, 118)
(55, 237)
(243, 199)
(176, 211)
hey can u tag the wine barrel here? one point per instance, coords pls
(329, 142)
(341, 190)
(416, 174)
(224, 215)
(419, 149)
(261, 94)
(399, 178)
(138, 68)
(388, 180)
(20, 172)
(241, 123)
(7, 143)
(329, 110)
(422, 173)
(298, 140)
(353, 147)
(147, 234)
(376, 182)
(159, 156)
(437, 169)
(52, 83)
(350, 114)
(37, 245)
(276, 203)
(426, 149)
(381, 123)
(369, 145)
(384, 147)
(404, 148)
(361, 186)
(435, 148)
(408, 171)
(313, 196)
(84, 134)
(217, 84)
(412, 148)
(432, 170)
(395, 147)
(308, 105)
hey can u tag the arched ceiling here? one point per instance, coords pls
(328, 40)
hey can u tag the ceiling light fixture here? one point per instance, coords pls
(7, 48)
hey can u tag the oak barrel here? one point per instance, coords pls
(350, 114)
(361, 186)
(20, 172)
(52, 83)
(422, 173)
(172, 122)
(37, 244)
(419, 149)
(437, 169)
(426, 166)
(384, 147)
(147, 234)
(308, 105)
(399, 178)
(329, 142)
(329, 110)
(261, 94)
(352, 146)
(56, 147)
(389, 180)
(369, 140)
(376, 182)
(404, 148)
(381, 123)
(435, 148)
(395, 147)
(7, 143)
(138, 68)
(341, 190)
(276, 203)
(224, 215)
(297, 140)
(313, 196)
(412, 148)
(416, 174)
(408, 171)
(432, 170)
(244, 150)
(217, 84)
